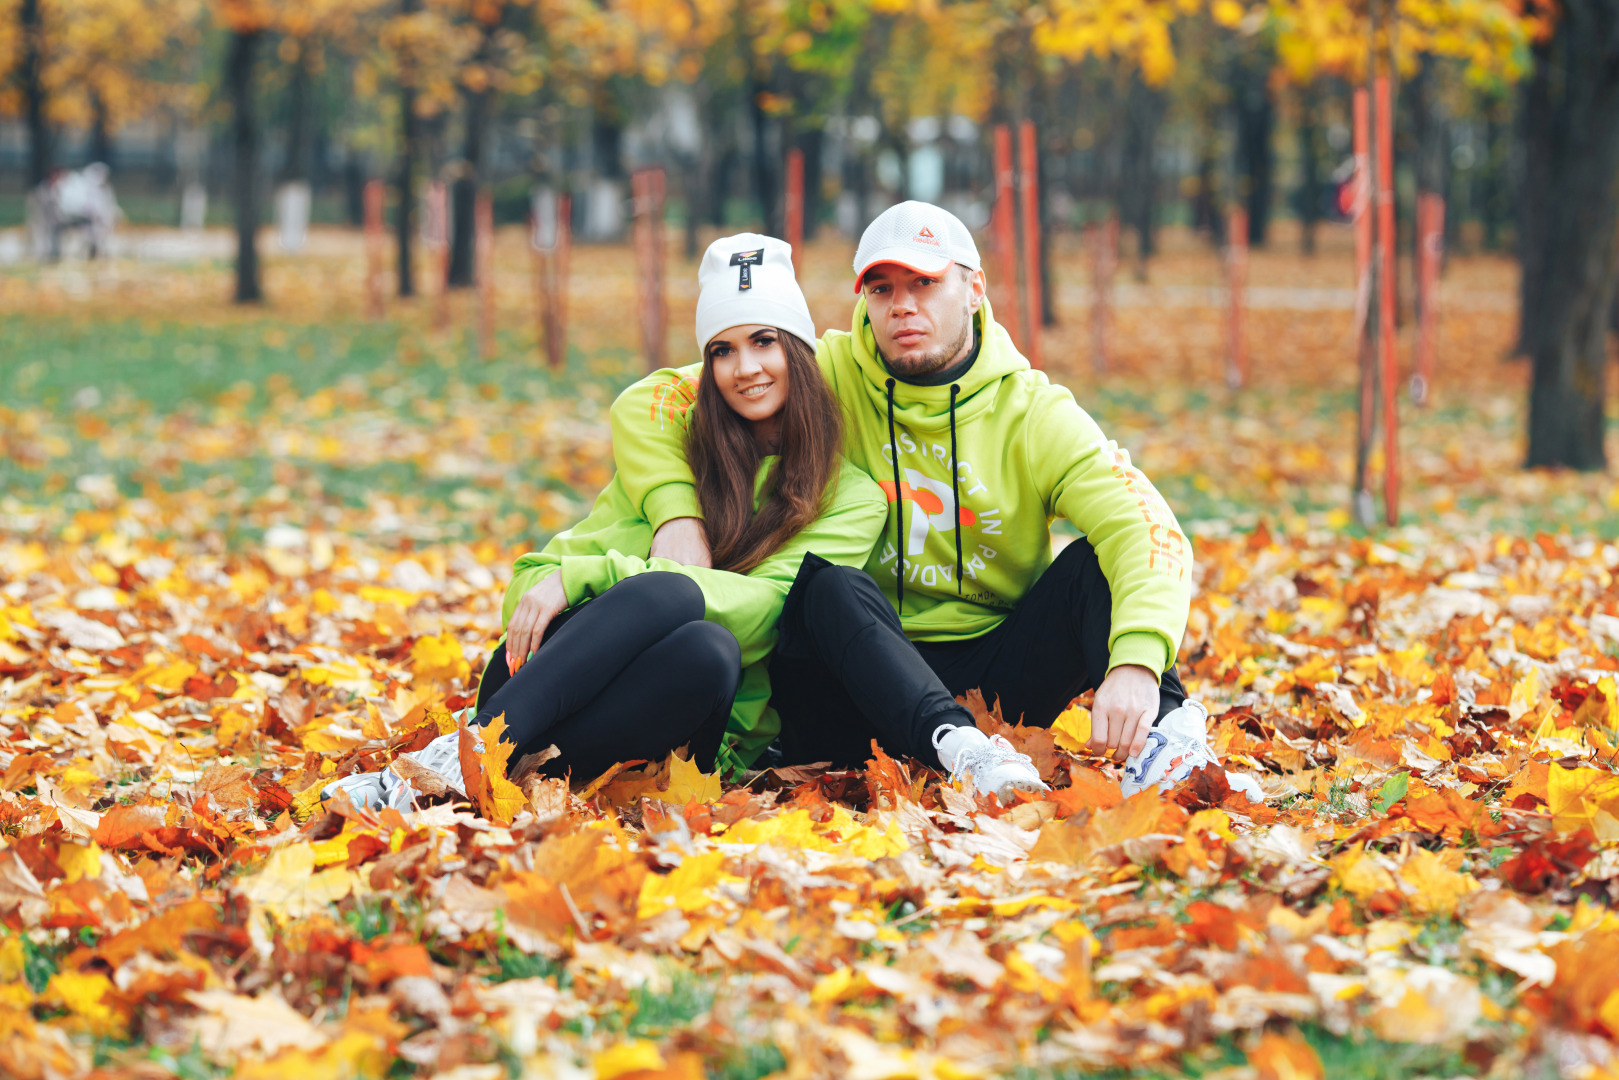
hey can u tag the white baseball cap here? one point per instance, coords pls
(917, 235)
(748, 279)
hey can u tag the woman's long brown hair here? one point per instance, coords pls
(725, 460)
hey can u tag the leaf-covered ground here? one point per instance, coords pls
(242, 554)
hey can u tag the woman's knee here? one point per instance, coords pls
(662, 596)
(709, 656)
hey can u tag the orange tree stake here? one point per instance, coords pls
(484, 268)
(1237, 281)
(794, 216)
(436, 238)
(1430, 257)
(1385, 304)
(1361, 209)
(374, 242)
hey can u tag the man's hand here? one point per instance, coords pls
(682, 540)
(1126, 705)
(534, 613)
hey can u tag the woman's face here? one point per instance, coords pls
(750, 369)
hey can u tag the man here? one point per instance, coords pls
(977, 453)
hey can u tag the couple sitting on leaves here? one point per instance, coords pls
(809, 545)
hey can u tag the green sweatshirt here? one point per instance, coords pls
(612, 543)
(1025, 453)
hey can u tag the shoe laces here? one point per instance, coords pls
(976, 758)
(443, 754)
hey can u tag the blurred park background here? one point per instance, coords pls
(200, 331)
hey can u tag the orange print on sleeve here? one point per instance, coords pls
(672, 400)
(1168, 552)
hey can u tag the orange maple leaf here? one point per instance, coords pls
(484, 773)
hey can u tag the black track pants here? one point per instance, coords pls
(845, 673)
(632, 674)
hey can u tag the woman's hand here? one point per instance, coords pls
(1126, 705)
(682, 540)
(534, 613)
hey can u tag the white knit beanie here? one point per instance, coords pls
(748, 279)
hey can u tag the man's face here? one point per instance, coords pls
(922, 323)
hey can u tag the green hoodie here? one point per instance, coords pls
(593, 556)
(1024, 453)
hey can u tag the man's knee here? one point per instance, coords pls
(838, 594)
(664, 596)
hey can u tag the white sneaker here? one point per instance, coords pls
(375, 790)
(989, 765)
(1177, 744)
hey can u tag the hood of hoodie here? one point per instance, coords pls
(927, 408)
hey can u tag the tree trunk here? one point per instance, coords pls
(410, 126)
(1495, 183)
(1309, 196)
(767, 161)
(1206, 202)
(1571, 212)
(464, 192)
(30, 77)
(1143, 112)
(100, 130)
(1256, 120)
(1431, 135)
(239, 79)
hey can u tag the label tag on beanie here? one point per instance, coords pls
(747, 260)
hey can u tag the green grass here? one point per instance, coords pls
(132, 373)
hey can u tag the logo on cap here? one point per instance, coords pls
(747, 260)
(925, 236)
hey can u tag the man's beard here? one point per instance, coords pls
(934, 359)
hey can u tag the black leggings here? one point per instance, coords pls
(632, 674)
(844, 672)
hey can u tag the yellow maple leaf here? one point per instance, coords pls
(354, 1053)
(79, 861)
(12, 958)
(439, 659)
(1576, 796)
(1361, 875)
(484, 773)
(688, 782)
(1072, 729)
(1525, 694)
(84, 995)
(630, 1056)
(1437, 889)
(686, 887)
(288, 885)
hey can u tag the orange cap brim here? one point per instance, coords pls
(910, 262)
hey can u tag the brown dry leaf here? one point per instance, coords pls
(228, 787)
(419, 776)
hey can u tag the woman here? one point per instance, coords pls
(611, 655)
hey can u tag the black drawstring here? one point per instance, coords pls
(899, 499)
(955, 485)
